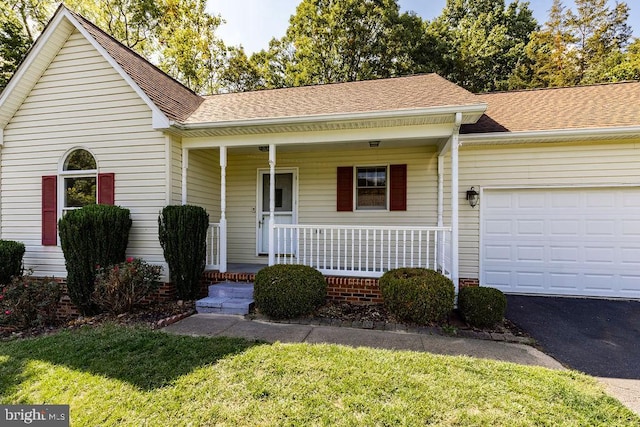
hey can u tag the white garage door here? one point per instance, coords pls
(562, 241)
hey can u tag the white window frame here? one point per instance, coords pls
(356, 207)
(64, 174)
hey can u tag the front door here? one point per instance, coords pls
(285, 204)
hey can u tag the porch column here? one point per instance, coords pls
(440, 190)
(272, 202)
(455, 142)
(185, 167)
(223, 211)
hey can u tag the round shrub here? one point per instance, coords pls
(11, 254)
(288, 291)
(481, 306)
(29, 301)
(417, 295)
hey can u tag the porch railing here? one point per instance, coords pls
(213, 247)
(363, 251)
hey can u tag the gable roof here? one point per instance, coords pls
(419, 92)
(612, 105)
(176, 101)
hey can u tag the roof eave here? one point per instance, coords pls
(556, 135)
(471, 114)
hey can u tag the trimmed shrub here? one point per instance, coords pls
(182, 231)
(92, 236)
(121, 287)
(482, 307)
(28, 302)
(11, 254)
(417, 295)
(288, 291)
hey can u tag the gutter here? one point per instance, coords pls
(469, 109)
(543, 135)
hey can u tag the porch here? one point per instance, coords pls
(259, 224)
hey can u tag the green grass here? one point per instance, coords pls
(123, 376)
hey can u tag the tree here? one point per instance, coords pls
(344, 40)
(578, 47)
(486, 40)
(177, 35)
(14, 42)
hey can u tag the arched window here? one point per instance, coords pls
(79, 176)
(77, 184)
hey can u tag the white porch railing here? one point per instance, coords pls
(363, 251)
(213, 247)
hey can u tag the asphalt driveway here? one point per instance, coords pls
(598, 337)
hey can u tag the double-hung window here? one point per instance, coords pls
(79, 176)
(371, 188)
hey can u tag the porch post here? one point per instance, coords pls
(455, 141)
(185, 167)
(440, 190)
(222, 238)
(272, 202)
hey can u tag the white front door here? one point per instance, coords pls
(285, 203)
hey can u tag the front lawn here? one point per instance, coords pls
(114, 375)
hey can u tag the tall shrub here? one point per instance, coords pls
(182, 231)
(11, 254)
(93, 236)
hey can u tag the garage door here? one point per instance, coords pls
(562, 241)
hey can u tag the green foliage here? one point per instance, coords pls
(92, 236)
(338, 41)
(482, 306)
(288, 291)
(182, 231)
(11, 254)
(582, 47)
(120, 287)
(417, 295)
(28, 302)
(483, 41)
(14, 42)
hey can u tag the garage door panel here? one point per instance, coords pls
(600, 255)
(529, 227)
(631, 227)
(564, 254)
(562, 241)
(530, 254)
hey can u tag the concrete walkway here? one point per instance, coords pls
(238, 326)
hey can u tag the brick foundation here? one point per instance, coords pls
(468, 283)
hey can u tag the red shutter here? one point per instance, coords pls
(49, 210)
(398, 190)
(106, 188)
(344, 202)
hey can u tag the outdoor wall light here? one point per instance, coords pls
(263, 148)
(374, 144)
(472, 197)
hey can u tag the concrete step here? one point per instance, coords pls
(232, 290)
(227, 298)
(224, 305)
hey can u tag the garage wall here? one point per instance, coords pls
(587, 164)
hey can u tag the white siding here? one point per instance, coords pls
(536, 165)
(203, 177)
(80, 101)
(317, 190)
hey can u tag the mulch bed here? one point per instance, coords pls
(159, 315)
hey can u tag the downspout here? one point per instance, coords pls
(455, 261)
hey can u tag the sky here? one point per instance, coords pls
(252, 23)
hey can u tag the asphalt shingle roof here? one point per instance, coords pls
(176, 101)
(400, 93)
(579, 107)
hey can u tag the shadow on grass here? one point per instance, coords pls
(143, 358)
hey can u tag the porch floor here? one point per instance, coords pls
(235, 267)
